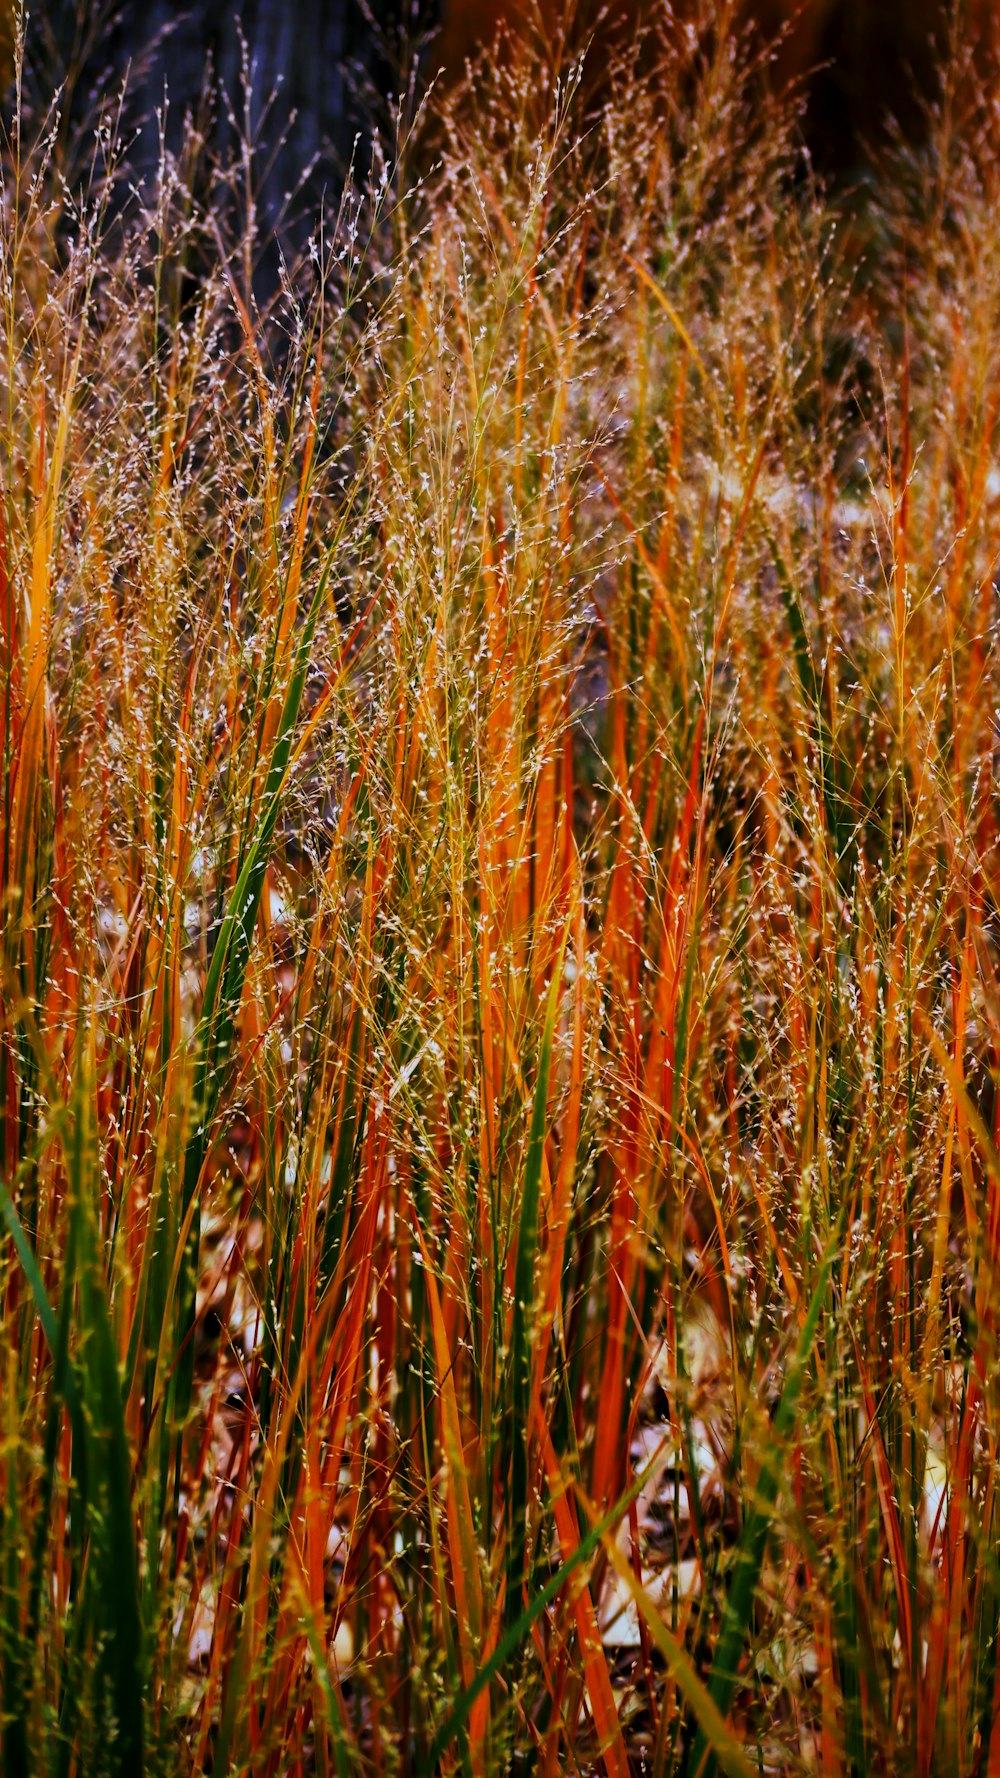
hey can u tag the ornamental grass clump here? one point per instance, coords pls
(499, 1002)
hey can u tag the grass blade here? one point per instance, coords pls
(749, 1557)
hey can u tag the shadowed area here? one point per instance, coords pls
(321, 70)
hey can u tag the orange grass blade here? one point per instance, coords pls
(463, 1548)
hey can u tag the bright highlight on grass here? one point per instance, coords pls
(500, 1000)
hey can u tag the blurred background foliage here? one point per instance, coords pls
(323, 70)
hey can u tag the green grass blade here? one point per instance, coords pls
(36, 1284)
(711, 1722)
(749, 1556)
(19, 1650)
(512, 1638)
(112, 1578)
(224, 987)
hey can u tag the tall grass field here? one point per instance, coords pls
(500, 957)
